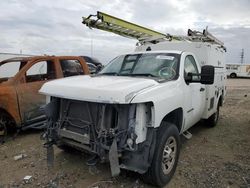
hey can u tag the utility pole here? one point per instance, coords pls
(242, 56)
(91, 47)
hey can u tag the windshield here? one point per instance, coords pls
(9, 70)
(156, 65)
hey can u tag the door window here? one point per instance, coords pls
(71, 68)
(190, 67)
(40, 71)
(10, 69)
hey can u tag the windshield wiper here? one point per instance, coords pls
(140, 74)
(117, 74)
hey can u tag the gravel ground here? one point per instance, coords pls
(214, 157)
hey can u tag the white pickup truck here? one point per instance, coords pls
(133, 112)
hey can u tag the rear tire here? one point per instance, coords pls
(233, 75)
(213, 119)
(166, 155)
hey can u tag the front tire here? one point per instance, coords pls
(166, 155)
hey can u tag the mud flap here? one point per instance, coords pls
(113, 159)
(50, 156)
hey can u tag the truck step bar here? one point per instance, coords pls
(187, 135)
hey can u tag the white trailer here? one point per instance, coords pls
(238, 70)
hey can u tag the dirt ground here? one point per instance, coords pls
(214, 157)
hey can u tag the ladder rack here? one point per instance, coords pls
(204, 36)
(121, 27)
(144, 35)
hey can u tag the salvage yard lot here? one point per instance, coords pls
(214, 157)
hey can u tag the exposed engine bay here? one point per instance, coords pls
(119, 133)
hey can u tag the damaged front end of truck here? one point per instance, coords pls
(119, 133)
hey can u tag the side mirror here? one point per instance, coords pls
(207, 74)
(188, 77)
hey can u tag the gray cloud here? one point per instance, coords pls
(235, 39)
(54, 27)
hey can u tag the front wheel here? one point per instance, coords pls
(166, 155)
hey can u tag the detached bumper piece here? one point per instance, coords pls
(113, 159)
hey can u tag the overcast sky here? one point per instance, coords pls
(54, 27)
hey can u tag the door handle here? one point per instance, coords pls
(202, 89)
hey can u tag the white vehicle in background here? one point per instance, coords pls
(133, 112)
(238, 70)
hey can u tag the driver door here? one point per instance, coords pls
(194, 93)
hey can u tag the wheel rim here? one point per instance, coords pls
(168, 155)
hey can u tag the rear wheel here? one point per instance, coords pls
(165, 156)
(233, 75)
(213, 119)
(3, 128)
